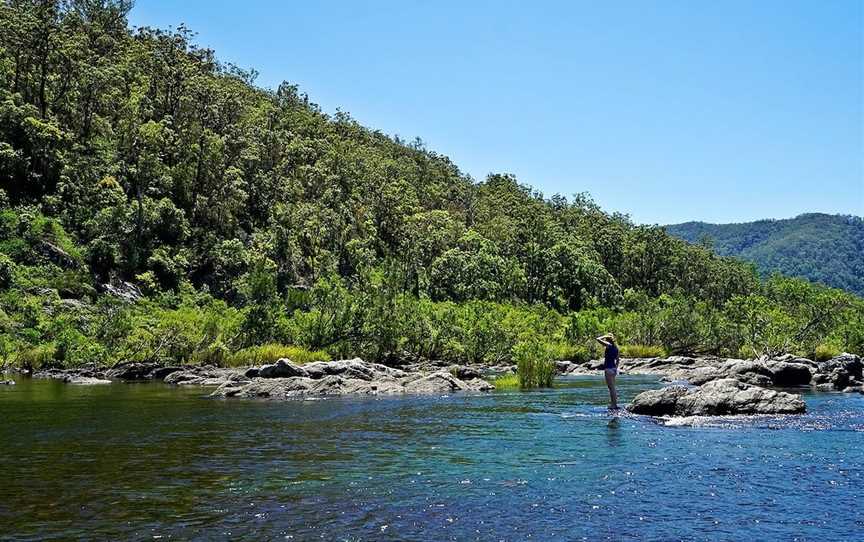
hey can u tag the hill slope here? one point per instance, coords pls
(247, 223)
(822, 248)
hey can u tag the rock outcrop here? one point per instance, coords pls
(725, 396)
(285, 380)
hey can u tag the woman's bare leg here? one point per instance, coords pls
(610, 383)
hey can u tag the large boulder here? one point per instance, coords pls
(204, 376)
(788, 373)
(662, 402)
(283, 368)
(132, 371)
(465, 372)
(719, 397)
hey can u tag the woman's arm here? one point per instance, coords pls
(602, 340)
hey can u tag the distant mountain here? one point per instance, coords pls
(822, 248)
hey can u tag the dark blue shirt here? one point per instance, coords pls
(611, 357)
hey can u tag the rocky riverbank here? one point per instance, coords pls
(700, 385)
(284, 379)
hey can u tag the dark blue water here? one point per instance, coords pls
(148, 461)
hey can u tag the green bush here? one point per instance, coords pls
(642, 351)
(825, 352)
(535, 363)
(36, 357)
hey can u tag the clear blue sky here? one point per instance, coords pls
(667, 110)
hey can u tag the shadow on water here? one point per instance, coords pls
(148, 460)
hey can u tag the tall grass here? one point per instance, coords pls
(270, 353)
(507, 381)
(535, 365)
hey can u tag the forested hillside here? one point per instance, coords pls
(828, 249)
(253, 222)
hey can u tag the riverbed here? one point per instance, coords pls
(151, 461)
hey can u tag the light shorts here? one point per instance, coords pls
(611, 371)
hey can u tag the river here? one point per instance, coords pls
(153, 462)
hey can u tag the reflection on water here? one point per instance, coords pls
(146, 460)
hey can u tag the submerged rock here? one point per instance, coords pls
(717, 397)
(85, 380)
(7, 382)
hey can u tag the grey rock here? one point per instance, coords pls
(283, 368)
(57, 255)
(85, 380)
(718, 397)
(789, 373)
(132, 371)
(7, 382)
(160, 373)
(464, 372)
(440, 382)
(205, 376)
(351, 368)
(125, 291)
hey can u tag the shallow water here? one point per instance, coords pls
(147, 461)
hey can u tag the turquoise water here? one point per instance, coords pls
(147, 461)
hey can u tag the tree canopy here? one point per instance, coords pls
(133, 155)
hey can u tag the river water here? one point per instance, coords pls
(152, 462)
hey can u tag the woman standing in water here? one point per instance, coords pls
(610, 366)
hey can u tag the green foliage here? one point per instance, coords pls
(825, 352)
(249, 217)
(828, 249)
(535, 363)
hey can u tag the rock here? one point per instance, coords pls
(464, 372)
(205, 376)
(564, 367)
(854, 389)
(440, 382)
(283, 368)
(160, 373)
(479, 384)
(718, 397)
(7, 382)
(839, 371)
(351, 368)
(736, 368)
(252, 372)
(125, 291)
(132, 371)
(701, 375)
(662, 402)
(85, 380)
(57, 255)
(595, 365)
(787, 373)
